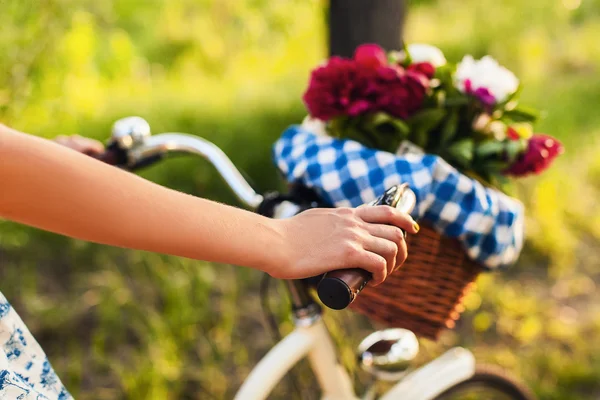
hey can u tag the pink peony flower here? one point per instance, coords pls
(541, 151)
(370, 56)
(483, 94)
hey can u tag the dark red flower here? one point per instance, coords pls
(341, 87)
(370, 56)
(398, 92)
(424, 68)
(541, 151)
(351, 88)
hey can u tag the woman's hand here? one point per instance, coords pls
(80, 144)
(322, 240)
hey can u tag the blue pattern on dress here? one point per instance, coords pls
(4, 308)
(15, 345)
(25, 372)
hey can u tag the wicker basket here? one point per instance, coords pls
(426, 293)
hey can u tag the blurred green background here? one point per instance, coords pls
(132, 325)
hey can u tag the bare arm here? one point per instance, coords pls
(51, 187)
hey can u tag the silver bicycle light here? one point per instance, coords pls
(388, 353)
(130, 132)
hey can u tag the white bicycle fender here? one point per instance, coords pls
(452, 367)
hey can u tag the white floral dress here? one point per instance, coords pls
(25, 372)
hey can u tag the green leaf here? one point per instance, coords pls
(335, 127)
(388, 141)
(381, 119)
(408, 58)
(489, 147)
(444, 73)
(345, 128)
(426, 120)
(360, 135)
(462, 152)
(379, 131)
(401, 126)
(449, 128)
(514, 148)
(419, 137)
(456, 100)
(522, 114)
(494, 167)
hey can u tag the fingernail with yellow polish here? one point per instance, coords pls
(416, 227)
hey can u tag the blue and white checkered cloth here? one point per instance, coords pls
(345, 173)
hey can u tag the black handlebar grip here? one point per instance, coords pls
(108, 157)
(338, 289)
(112, 155)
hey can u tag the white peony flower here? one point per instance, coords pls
(485, 74)
(426, 53)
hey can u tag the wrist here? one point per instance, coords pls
(277, 254)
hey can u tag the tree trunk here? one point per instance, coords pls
(354, 22)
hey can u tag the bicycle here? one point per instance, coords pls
(386, 354)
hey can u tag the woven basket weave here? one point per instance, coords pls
(425, 295)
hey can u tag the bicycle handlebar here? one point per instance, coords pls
(159, 145)
(338, 289)
(132, 146)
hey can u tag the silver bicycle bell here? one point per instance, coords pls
(130, 132)
(388, 353)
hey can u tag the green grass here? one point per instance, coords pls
(132, 325)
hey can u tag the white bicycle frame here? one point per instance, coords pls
(310, 338)
(314, 341)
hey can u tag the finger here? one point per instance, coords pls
(61, 139)
(375, 264)
(385, 248)
(92, 147)
(389, 216)
(86, 145)
(389, 232)
(77, 146)
(80, 144)
(393, 234)
(402, 254)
